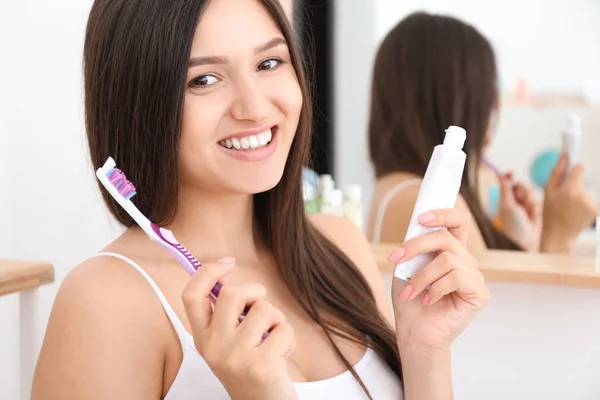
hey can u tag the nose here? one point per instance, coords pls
(250, 103)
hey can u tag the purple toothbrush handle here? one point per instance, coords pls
(188, 261)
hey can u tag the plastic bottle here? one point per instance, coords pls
(439, 190)
(571, 138)
(310, 198)
(310, 177)
(352, 205)
(326, 184)
(332, 202)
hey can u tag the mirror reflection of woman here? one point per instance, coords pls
(434, 71)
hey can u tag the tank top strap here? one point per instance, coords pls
(182, 333)
(394, 190)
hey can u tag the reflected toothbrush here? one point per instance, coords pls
(501, 175)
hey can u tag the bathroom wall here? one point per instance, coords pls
(51, 208)
(530, 342)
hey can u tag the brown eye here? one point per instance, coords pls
(204, 81)
(268, 64)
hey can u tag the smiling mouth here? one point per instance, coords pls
(250, 142)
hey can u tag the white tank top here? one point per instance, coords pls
(195, 380)
(394, 190)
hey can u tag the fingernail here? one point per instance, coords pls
(406, 292)
(427, 217)
(226, 260)
(396, 255)
(425, 300)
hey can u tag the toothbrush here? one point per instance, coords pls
(500, 174)
(116, 183)
(496, 170)
(516, 189)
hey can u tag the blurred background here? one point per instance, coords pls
(548, 54)
(548, 60)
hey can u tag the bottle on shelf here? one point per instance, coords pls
(352, 204)
(325, 184)
(332, 203)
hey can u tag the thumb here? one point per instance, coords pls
(558, 173)
(575, 176)
(506, 191)
(196, 295)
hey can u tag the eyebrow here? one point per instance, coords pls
(196, 61)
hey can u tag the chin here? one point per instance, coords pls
(253, 178)
(259, 183)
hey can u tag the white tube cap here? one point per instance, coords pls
(455, 136)
(574, 124)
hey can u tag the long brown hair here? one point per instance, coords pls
(136, 54)
(432, 72)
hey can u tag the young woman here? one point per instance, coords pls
(205, 106)
(432, 72)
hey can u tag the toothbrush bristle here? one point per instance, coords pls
(117, 178)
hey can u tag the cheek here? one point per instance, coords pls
(199, 121)
(289, 98)
(197, 142)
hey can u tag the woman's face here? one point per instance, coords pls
(242, 102)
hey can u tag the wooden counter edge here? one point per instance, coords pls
(17, 275)
(520, 267)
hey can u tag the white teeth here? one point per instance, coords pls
(262, 139)
(253, 140)
(248, 142)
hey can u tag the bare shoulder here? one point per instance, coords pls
(344, 234)
(353, 243)
(102, 329)
(399, 212)
(105, 284)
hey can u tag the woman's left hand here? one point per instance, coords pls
(438, 303)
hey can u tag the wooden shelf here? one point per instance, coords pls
(551, 101)
(523, 267)
(16, 276)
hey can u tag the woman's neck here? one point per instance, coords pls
(213, 226)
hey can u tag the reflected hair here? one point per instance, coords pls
(431, 72)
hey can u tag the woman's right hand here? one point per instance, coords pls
(520, 213)
(247, 366)
(569, 207)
